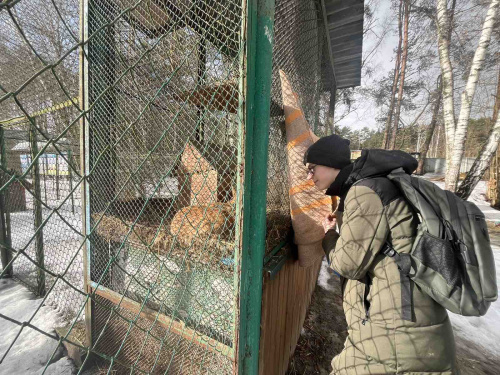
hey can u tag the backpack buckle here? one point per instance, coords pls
(389, 251)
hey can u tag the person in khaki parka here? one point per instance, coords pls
(371, 214)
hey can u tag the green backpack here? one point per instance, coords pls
(451, 258)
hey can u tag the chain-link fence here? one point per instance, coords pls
(122, 130)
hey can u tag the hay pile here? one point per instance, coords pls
(206, 250)
(202, 235)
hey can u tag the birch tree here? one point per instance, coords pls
(387, 131)
(456, 130)
(482, 162)
(404, 59)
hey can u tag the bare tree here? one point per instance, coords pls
(456, 131)
(404, 59)
(385, 142)
(430, 130)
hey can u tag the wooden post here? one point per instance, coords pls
(37, 212)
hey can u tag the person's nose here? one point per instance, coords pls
(309, 175)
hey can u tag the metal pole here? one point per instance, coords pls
(83, 100)
(57, 176)
(37, 212)
(45, 168)
(202, 65)
(70, 180)
(5, 235)
(255, 130)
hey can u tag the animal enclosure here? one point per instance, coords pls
(170, 247)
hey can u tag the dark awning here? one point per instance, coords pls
(344, 20)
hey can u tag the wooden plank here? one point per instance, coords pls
(302, 289)
(284, 307)
(273, 349)
(296, 310)
(264, 327)
(296, 306)
(177, 327)
(289, 310)
(283, 357)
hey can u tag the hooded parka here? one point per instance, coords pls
(373, 212)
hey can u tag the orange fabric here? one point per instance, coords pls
(303, 209)
(297, 141)
(298, 188)
(293, 116)
(308, 205)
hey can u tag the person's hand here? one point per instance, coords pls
(329, 222)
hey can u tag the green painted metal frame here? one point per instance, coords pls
(256, 110)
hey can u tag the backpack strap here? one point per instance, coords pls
(455, 226)
(387, 192)
(403, 261)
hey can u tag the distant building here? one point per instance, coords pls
(355, 154)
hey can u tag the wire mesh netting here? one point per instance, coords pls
(300, 49)
(121, 131)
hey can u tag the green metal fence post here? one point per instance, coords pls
(84, 169)
(37, 212)
(257, 85)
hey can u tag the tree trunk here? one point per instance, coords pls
(482, 162)
(458, 140)
(430, 131)
(385, 142)
(404, 58)
(492, 191)
(438, 137)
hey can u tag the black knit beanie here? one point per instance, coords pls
(331, 151)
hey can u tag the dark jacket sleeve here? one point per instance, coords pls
(363, 233)
(329, 242)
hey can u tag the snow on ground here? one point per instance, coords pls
(478, 197)
(484, 331)
(62, 250)
(32, 350)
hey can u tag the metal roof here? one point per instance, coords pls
(344, 20)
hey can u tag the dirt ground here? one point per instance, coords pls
(324, 333)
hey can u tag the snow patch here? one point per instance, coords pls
(32, 350)
(483, 331)
(325, 275)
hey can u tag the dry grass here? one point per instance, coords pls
(206, 234)
(198, 249)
